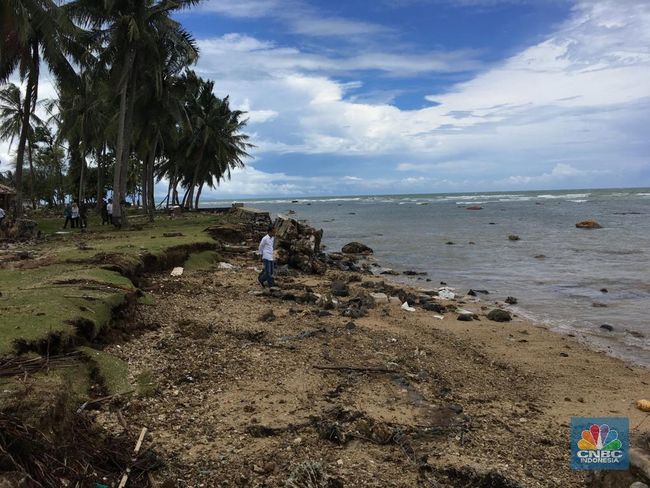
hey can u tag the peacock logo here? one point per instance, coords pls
(599, 437)
(600, 442)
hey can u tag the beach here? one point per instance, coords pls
(328, 376)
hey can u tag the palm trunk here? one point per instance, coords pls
(31, 173)
(22, 142)
(198, 196)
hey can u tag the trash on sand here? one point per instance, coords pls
(643, 405)
(446, 293)
(405, 306)
(178, 271)
(223, 265)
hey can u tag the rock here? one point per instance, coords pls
(434, 307)
(588, 224)
(514, 237)
(607, 327)
(299, 246)
(267, 316)
(356, 248)
(511, 301)
(499, 315)
(340, 289)
(379, 297)
(389, 272)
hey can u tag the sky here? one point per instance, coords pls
(424, 96)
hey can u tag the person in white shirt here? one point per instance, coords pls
(266, 250)
(109, 210)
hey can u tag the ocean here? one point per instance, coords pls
(555, 270)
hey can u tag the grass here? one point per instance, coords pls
(67, 295)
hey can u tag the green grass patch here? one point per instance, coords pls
(201, 261)
(111, 371)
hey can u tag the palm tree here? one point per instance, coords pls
(215, 144)
(133, 37)
(31, 30)
(11, 126)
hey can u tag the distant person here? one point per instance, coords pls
(109, 210)
(104, 212)
(74, 215)
(83, 215)
(3, 214)
(266, 250)
(67, 213)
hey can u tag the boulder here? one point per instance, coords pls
(588, 224)
(340, 289)
(299, 246)
(499, 315)
(356, 248)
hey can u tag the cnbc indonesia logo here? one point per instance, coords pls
(599, 443)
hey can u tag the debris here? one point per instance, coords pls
(405, 306)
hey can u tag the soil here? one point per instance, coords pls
(390, 399)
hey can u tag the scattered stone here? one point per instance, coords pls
(340, 289)
(356, 248)
(267, 316)
(514, 237)
(607, 327)
(511, 301)
(588, 224)
(499, 315)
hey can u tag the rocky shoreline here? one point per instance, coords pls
(344, 378)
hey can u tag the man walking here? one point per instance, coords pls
(266, 250)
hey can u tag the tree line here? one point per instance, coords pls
(129, 110)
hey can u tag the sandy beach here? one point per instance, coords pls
(249, 384)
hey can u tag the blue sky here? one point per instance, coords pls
(413, 96)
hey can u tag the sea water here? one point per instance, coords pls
(556, 271)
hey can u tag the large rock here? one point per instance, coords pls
(356, 248)
(588, 224)
(299, 245)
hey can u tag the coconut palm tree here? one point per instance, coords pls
(11, 126)
(32, 31)
(133, 38)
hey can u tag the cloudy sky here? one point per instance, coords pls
(412, 96)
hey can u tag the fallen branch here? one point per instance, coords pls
(356, 369)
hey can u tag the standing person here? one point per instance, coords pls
(75, 215)
(109, 210)
(266, 250)
(104, 212)
(67, 213)
(83, 215)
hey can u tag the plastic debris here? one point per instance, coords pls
(405, 306)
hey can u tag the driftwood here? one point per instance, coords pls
(356, 369)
